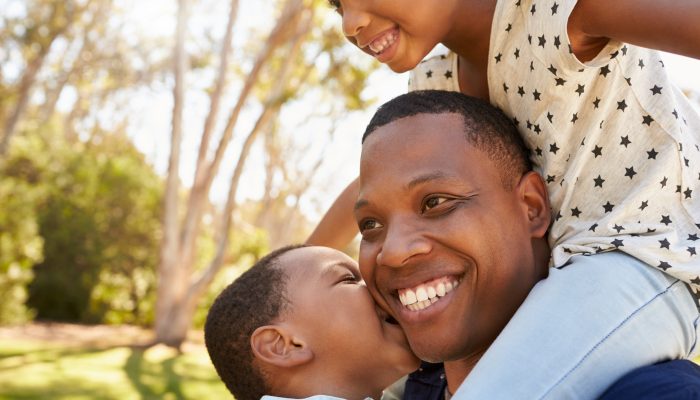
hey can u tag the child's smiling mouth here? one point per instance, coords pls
(427, 293)
(378, 45)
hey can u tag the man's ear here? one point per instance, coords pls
(533, 192)
(277, 345)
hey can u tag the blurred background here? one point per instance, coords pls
(150, 151)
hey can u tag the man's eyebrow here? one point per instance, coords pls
(420, 179)
(431, 176)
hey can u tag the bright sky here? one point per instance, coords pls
(151, 131)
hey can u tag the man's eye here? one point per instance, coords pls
(433, 202)
(369, 224)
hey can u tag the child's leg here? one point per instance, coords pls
(584, 327)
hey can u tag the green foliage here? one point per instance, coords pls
(246, 246)
(97, 207)
(20, 245)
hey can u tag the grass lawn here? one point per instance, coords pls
(40, 367)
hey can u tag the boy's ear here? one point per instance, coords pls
(533, 192)
(277, 345)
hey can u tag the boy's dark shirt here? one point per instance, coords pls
(671, 380)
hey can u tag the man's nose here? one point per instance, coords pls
(354, 21)
(402, 242)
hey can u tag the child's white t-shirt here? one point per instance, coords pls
(617, 144)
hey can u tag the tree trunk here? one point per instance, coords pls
(171, 281)
(179, 292)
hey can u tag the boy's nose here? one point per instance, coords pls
(354, 21)
(401, 243)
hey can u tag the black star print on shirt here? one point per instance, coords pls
(557, 41)
(553, 148)
(664, 265)
(665, 219)
(541, 41)
(574, 118)
(580, 89)
(624, 141)
(618, 228)
(597, 151)
(605, 71)
(647, 120)
(693, 237)
(644, 205)
(598, 182)
(536, 95)
(621, 105)
(630, 172)
(665, 244)
(608, 207)
(429, 74)
(617, 243)
(652, 154)
(555, 7)
(575, 212)
(656, 90)
(448, 74)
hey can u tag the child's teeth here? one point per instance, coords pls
(379, 45)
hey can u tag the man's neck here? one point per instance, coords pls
(457, 371)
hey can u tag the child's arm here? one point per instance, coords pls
(338, 227)
(672, 26)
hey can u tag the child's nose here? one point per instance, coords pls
(354, 21)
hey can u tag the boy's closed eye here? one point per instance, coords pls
(335, 4)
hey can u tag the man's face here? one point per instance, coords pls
(337, 317)
(445, 249)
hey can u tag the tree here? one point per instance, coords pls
(285, 68)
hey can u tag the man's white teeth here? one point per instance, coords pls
(382, 43)
(426, 294)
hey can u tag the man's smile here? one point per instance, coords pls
(427, 293)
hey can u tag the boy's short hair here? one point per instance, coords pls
(253, 300)
(485, 126)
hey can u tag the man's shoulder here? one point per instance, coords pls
(678, 380)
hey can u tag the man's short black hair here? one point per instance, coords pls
(485, 126)
(253, 300)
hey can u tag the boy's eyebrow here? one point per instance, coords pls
(334, 266)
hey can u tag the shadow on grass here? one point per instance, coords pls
(105, 372)
(138, 370)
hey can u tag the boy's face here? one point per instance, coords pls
(433, 213)
(341, 322)
(398, 33)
